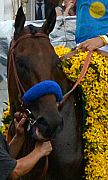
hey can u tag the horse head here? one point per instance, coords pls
(32, 85)
(35, 85)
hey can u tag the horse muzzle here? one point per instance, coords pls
(42, 130)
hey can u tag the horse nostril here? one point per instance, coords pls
(42, 121)
(45, 130)
(43, 127)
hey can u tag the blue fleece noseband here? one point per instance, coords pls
(43, 88)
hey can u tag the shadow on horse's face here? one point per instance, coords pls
(35, 61)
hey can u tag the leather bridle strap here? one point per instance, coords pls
(15, 42)
(11, 63)
(18, 83)
(83, 72)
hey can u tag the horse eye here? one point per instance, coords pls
(22, 65)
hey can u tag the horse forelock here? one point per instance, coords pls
(29, 29)
(32, 29)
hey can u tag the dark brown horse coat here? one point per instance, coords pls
(35, 61)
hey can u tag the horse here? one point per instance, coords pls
(32, 62)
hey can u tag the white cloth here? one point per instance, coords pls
(104, 48)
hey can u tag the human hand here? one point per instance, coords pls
(69, 9)
(91, 44)
(19, 120)
(44, 148)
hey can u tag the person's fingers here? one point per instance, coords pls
(48, 145)
(90, 48)
(18, 116)
(86, 46)
(15, 122)
(22, 122)
(44, 148)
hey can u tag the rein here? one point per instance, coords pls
(82, 74)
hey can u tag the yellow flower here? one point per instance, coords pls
(6, 118)
(95, 89)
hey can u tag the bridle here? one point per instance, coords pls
(11, 64)
(82, 74)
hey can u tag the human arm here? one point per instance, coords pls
(25, 164)
(18, 140)
(70, 7)
(7, 163)
(10, 167)
(70, 1)
(92, 44)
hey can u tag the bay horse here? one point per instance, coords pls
(32, 62)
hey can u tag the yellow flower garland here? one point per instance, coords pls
(95, 89)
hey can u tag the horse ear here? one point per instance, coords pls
(49, 24)
(20, 20)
